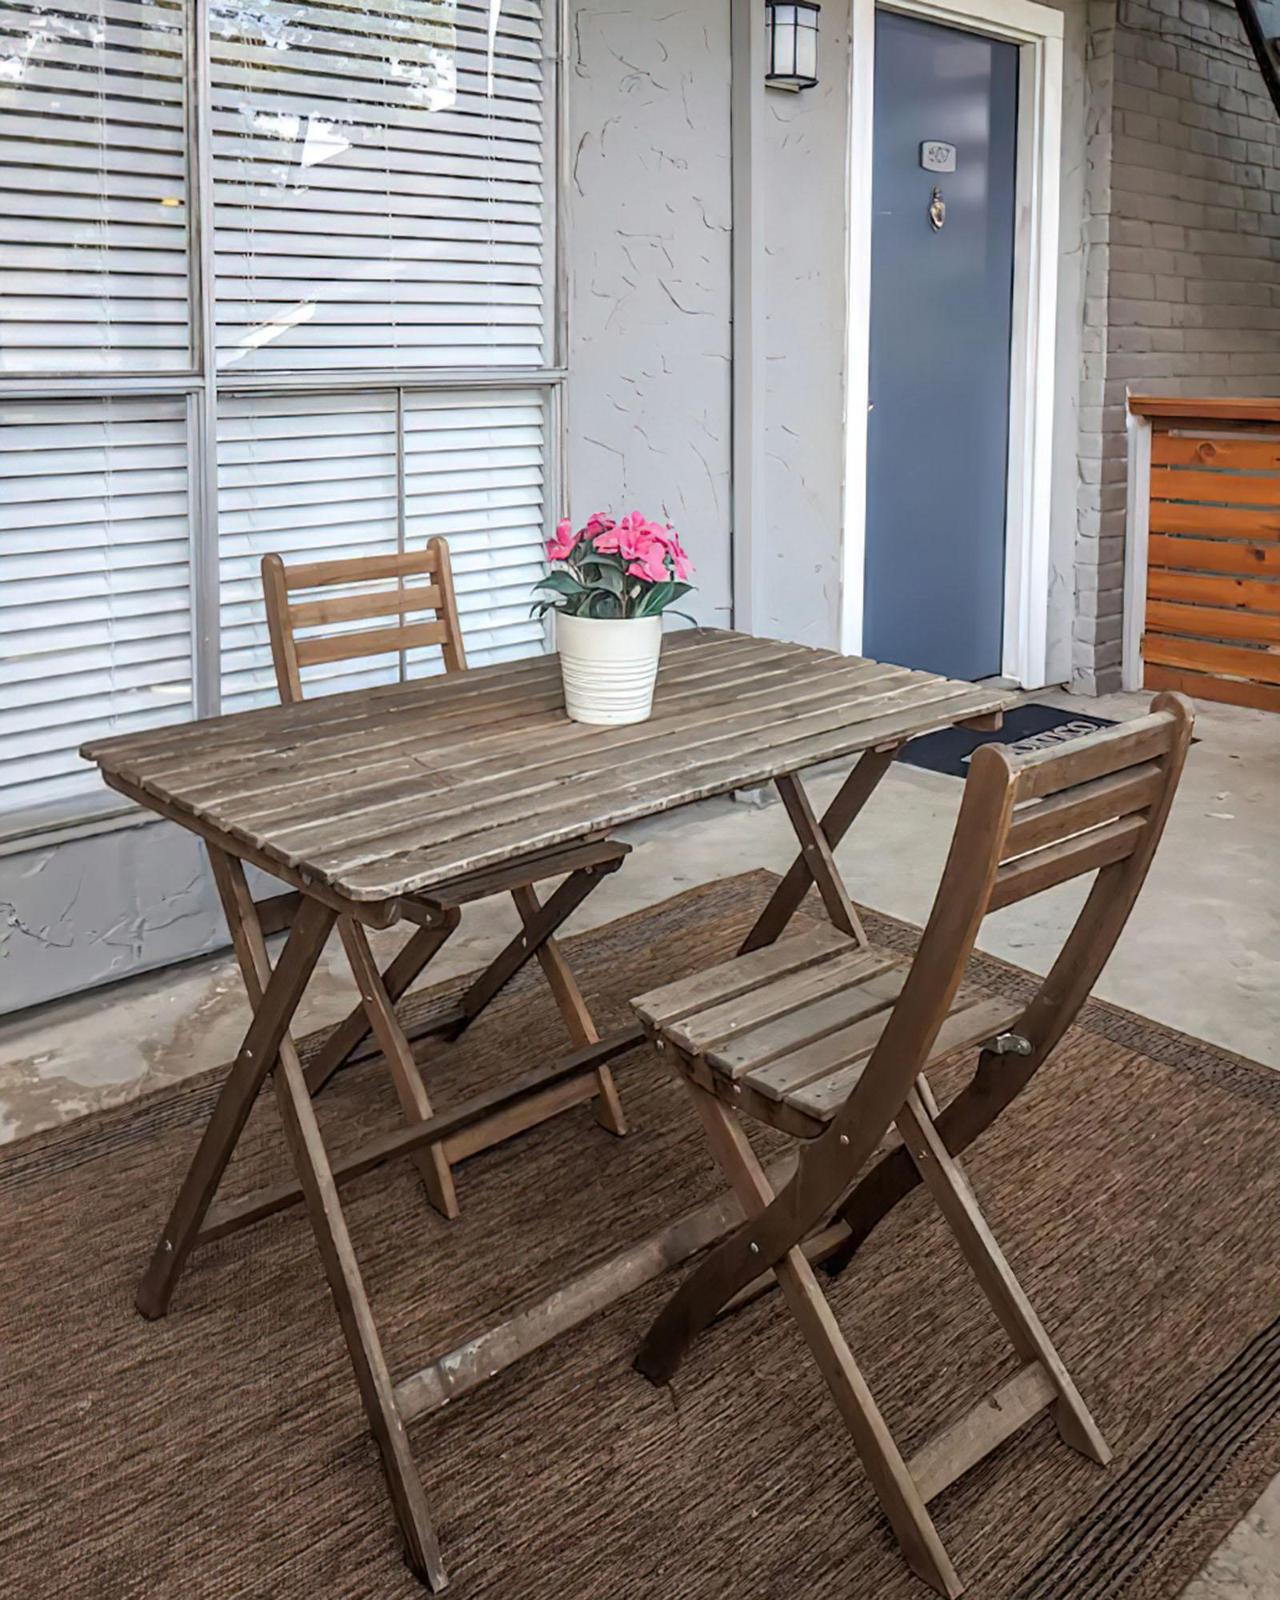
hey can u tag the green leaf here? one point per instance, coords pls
(561, 583)
(656, 600)
(603, 574)
(600, 603)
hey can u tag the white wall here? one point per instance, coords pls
(649, 226)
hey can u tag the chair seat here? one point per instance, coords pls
(785, 1032)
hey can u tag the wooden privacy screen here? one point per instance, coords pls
(1212, 624)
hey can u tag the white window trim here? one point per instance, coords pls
(1038, 31)
(203, 385)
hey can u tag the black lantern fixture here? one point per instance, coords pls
(791, 44)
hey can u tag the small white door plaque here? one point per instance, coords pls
(937, 157)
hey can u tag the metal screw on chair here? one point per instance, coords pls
(1008, 1044)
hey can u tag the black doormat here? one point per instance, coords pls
(1026, 728)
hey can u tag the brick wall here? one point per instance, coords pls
(1184, 163)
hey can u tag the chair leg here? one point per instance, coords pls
(895, 1489)
(431, 1162)
(956, 1200)
(573, 1008)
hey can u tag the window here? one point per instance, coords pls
(286, 286)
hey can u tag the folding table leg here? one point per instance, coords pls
(885, 1467)
(411, 960)
(274, 1004)
(538, 928)
(315, 1175)
(431, 1162)
(818, 840)
(573, 1008)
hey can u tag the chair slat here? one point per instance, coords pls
(675, 1001)
(1086, 805)
(756, 1047)
(766, 1002)
(1086, 852)
(353, 569)
(370, 642)
(972, 1024)
(354, 607)
(1128, 744)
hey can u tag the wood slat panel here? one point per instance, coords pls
(1214, 522)
(741, 975)
(834, 1013)
(536, 779)
(1044, 822)
(1212, 622)
(1193, 589)
(1045, 869)
(369, 642)
(1208, 555)
(768, 1001)
(315, 574)
(691, 713)
(462, 736)
(1227, 691)
(1223, 452)
(420, 783)
(378, 879)
(972, 1021)
(1220, 660)
(353, 607)
(1128, 744)
(1204, 408)
(1236, 489)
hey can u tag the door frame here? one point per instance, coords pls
(1038, 32)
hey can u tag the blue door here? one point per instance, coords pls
(946, 117)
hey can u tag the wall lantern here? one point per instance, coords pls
(791, 44)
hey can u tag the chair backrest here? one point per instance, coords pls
(1025, 825)
(399, 587)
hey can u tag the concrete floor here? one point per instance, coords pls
(1201, 953)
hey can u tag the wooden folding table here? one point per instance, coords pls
(393, 804)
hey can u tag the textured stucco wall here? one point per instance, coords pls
(649, 218)
(91, 910)
(803, 187)
(1189, 301)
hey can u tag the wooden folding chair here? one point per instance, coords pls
(403, 587)
(830, 1040)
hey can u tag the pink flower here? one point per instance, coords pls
(649, 558)
(562, 542)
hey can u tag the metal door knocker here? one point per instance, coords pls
(937, 210)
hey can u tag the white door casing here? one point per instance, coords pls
(1038, 31)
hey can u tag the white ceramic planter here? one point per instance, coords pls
(608, 667)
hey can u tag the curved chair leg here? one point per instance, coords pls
(998, 1081)
(890, 1477)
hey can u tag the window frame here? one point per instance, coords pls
(203, 386)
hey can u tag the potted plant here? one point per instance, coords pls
(609, 586)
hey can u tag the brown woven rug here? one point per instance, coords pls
(223, 1453)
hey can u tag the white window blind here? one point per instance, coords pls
(93, 193)
(95, 619)
(316, 477)
(310, 478)
(474, 474)
(378, 205)
(379, 184)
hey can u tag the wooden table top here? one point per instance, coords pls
(388, 792)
